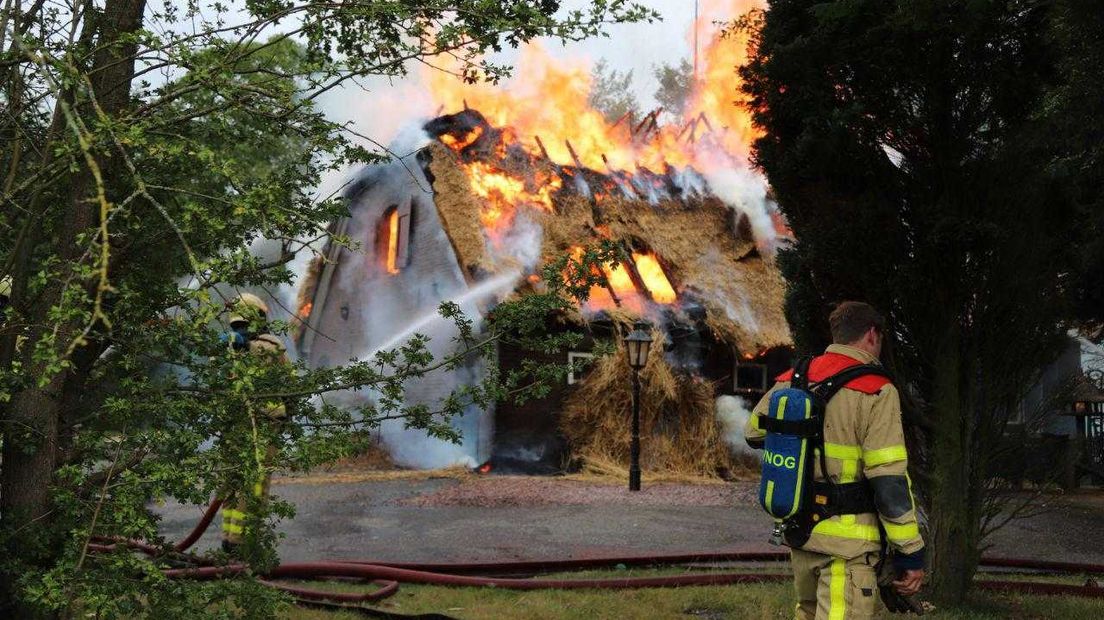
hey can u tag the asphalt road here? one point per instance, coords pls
(376, 520)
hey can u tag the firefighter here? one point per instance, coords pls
(5, 292)
(835, 573)
(249, 312)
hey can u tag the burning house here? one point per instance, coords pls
(518, 177)
(473, 215)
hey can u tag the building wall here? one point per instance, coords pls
(367, 309)
(1047, 399)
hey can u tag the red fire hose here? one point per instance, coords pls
(388, 575)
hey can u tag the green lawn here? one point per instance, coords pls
(752, 602)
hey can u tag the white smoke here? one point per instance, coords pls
(733, 414)
(412, 447)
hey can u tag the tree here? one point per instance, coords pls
(675, 83)
(611, 92)
(1074, 110)
(903, 144)
(144, 144)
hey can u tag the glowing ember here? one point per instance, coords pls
(393, 242)
(655, 280)
(485, 468)
(305, 311)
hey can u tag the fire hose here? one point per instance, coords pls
(388, 575)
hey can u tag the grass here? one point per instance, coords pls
(753, 601)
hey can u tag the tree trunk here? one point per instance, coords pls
(30, 450)
(953, 526)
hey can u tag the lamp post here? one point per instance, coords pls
(637, 344)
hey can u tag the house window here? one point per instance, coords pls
(393, 238)
(750, 378)
(578, 363)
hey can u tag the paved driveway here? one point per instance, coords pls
(495, 517)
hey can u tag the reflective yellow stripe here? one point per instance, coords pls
(231, 528)
(755, 423)
(837, 589)
(258, 489)
(848, 456)
(901, 533)
(881, 456)
(849, 471)
(840, 451)
(853, 531)
(230, 513)
(781, 407)
(770, 491)
(801, 462)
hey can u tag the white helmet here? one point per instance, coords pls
(239, 312)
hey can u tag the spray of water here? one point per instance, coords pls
(468, 302)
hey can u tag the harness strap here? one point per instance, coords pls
(808, 428)
(849, 498)
(800, 378)
(829, 387)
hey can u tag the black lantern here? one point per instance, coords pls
(637, 344)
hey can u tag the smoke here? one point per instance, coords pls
(412, 447)
(745, 191)
(733, 414)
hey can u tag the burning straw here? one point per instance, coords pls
(680, 434)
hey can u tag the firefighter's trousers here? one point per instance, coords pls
(831, 588)
(234, 510)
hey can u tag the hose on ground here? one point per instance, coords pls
(388, 575)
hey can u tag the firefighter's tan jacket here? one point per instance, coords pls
(863, 439)
(269, 348)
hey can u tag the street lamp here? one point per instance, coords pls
(637, 344)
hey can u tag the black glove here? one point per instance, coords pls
(893, 600)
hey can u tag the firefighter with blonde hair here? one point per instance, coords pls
(835, 476)
(249, 334)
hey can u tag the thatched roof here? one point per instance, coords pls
(707, 252)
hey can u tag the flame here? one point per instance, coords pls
(485, 468)
(459, 144)
(716, 92)
(502, 194)
(549, 101)
(393, 242)
(655, 280)
(599, 297)
(305, 310)
(624, 287)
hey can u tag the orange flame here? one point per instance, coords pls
(655, 280)
(716, 92)
(624, 287)
(551, 103)
(393, 243)
(305, 311)
(599, 297)
(502, 194)
(459, 144)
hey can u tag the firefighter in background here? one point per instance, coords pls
(834, 569)
(249, 312)
(5, 293)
